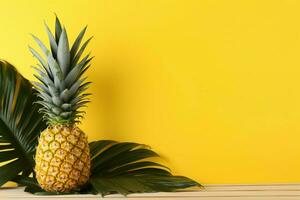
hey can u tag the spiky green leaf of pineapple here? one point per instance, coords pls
(61, 78)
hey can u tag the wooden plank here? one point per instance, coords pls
(253, 187)
(218, 192)
(167, 198)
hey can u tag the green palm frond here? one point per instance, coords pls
(20, 124)
(124, 168)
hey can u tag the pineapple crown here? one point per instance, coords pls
(61, 85)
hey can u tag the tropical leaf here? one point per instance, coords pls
(20, 124)
(124, 168)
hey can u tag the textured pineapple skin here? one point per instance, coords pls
(62, 159)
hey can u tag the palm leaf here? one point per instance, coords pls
(20, 124)
(124, 168)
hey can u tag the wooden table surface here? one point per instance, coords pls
(218, 192)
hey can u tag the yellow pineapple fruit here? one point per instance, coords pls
(62, 159)
(62, 156)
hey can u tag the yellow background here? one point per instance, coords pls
(212, 85)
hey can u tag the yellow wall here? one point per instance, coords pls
(212, 85)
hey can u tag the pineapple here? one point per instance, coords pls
(62, 155)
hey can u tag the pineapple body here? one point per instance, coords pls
(62, 159)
